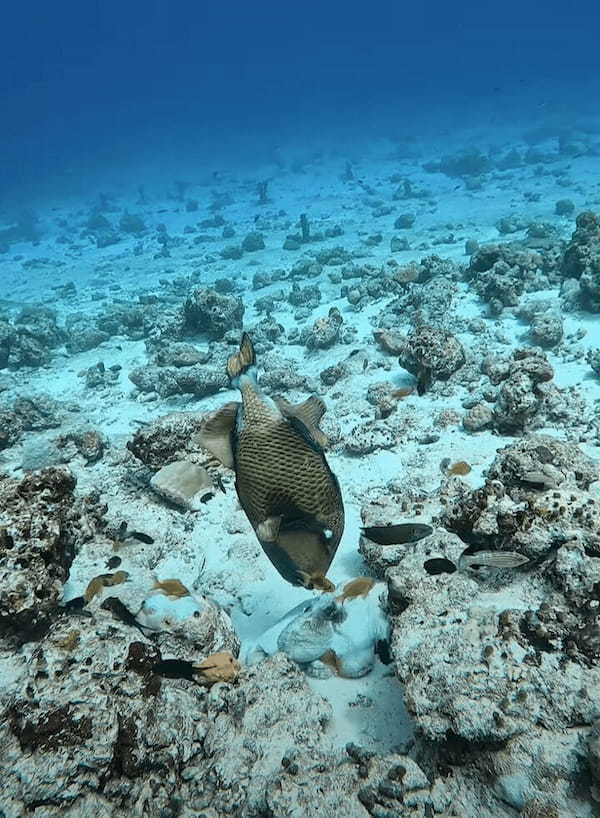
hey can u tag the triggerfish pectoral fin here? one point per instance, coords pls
(215, 433)
(268, 530)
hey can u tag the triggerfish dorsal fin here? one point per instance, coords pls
(242, 360)
(309, 412)
(215, 433)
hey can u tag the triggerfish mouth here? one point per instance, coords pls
(284, 484)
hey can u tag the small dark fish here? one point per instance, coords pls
(399, 534)
(175, 669)
(439, 565)
(469, 559)
(77, 603)
(219, 483)
(139, 535)
(122, 613)
(113, 562)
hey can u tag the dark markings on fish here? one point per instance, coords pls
(439, 565)
(122, 613)
(399, 534)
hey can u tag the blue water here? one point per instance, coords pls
(90, 88)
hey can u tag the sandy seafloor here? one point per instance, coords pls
(368, 710)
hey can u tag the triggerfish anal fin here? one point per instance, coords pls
(215, 434)
(301, 554)
(309, 412)
(283, 562)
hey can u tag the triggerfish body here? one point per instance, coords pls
(284, 484)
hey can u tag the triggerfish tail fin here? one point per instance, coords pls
(242, 361)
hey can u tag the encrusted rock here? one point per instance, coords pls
(499, 273)
(89, 443)
(365, 438)
(325, 331)
(581, 253)
(42, 523)
(188, 627)
(37, 413)
(93, 710)
(534, 500)
(208, 311)
(165, 439)
(478, 417)
(180, 355)
(195, 379)
(431, 354)
(83, 334)
(547, 330)
(521, 398)
(11, 428)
